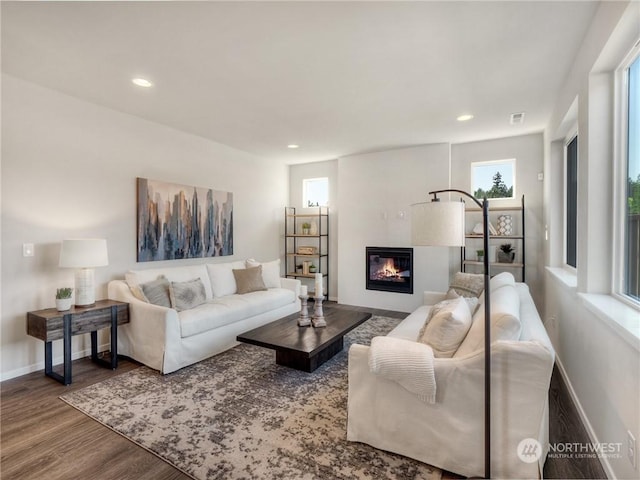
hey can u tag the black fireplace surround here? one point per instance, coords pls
(390, 269)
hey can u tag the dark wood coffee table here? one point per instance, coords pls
(305, 348)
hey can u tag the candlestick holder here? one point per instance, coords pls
(304, 320)
(317, 319)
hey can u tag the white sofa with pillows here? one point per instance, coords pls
(182, 315)
(419, 391)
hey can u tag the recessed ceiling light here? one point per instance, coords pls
(293, 145)
(464, 118)
(142, 82)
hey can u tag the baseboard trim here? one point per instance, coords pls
(57, 360)
(583, 417)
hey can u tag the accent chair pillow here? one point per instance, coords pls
(186, 295)
(468, 284)
(270, 271)
(157, 291)
(472, 302)
(249, 280)
(447, 324)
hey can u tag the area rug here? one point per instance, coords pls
(238, 415)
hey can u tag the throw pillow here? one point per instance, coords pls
(249, 280)
(132, 280)
(270, 272)
(157, 291)
(446, 326)
(468, 284)
(186, 295)
(472, 302)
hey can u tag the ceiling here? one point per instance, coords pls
(336, 78)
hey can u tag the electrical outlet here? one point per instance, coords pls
(631, 448)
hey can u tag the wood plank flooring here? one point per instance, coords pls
(42, 437)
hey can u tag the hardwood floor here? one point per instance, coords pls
(43, 437)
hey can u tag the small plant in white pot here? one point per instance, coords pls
(306, 227)
(63, 299)
(480, 255)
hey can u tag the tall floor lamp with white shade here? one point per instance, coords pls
(84, 254)
(438, 223)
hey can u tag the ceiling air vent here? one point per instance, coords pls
(516, 118)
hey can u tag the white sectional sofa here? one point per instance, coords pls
(166, 339)
(449, 432)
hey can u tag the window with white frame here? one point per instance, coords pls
(494, 179)
(571, 202)
(315, 192)
(628, 191)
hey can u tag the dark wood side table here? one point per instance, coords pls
(50, 324)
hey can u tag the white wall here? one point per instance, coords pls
(375, 189)
(69, 169)
(599, 360)
(529, 155)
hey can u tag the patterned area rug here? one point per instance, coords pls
(239, 415)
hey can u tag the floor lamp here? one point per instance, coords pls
(438, 223)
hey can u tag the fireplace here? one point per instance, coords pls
(390, 269)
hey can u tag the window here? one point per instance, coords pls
(571, 206)
(493, 179)
(631, 169)
(315, 192)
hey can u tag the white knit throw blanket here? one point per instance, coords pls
(408, 363)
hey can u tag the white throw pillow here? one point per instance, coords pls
(446, 327)
(223, 282)
(472, 302)
(270, 272)
(132, 280)
(505, 321)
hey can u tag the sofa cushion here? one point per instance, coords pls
(249, 280)
(232, 308)
(446, 326)
(222, 280)
(270, 272)
(186, 295)
(157, 291)
(472, 302)
(505, 321)
(409, 328)
(173, 274)
(467, 284)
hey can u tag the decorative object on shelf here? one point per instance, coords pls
(205, 213)
(83, 255)
(318, 320)
(313, 228)
(312, 268)
(63, 299)
(478, 230)
(299, 268)
(307, 250)
(480, 255)
(505, 225)
(506, 254)
(306, 228)
(438, 223)
(492, 253)
(304, 320)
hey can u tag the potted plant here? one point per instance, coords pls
(312, 268)
(306, 227)
(63, 299)
(506, 254)
(299, 268)
(480, 255)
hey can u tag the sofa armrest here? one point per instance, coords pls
(431, 298)
(292, 284)
(152, 329)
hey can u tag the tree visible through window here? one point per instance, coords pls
(494, 179)
(632, 220)
(315, 192)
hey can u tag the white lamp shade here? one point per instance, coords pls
(84, 253)
(437, 224)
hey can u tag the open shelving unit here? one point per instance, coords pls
(295, 239)
(518, 238)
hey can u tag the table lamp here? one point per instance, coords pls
(83, 255)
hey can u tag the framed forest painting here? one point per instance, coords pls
(179, 221)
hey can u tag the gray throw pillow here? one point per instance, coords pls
(468, 284)
(249, 279)
(186, 295)
(157, 291)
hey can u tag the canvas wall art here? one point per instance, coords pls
(179, 221)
